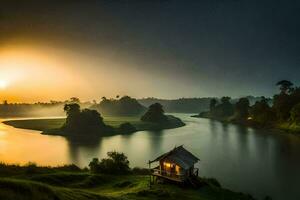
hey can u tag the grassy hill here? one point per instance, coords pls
(64, 183)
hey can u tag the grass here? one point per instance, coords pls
(289, 127)
(52, 125)
(47, 183)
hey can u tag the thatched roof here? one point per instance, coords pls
(180, 156)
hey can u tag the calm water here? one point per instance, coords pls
(242, 159)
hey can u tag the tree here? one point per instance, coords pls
(295, 113)
(282, 105)
(212, 105)
(225, 100)
(71, 109)
(261, 112)
(83, 121)
(74, 100)
(155, 114)
(125, 106)
(285, 86)
(242, 109)
(116, 163)
(224, 110)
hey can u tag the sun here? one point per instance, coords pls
(3, 84)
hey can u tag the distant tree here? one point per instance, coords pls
(212, 105)
(242, 109)
(282, 105)
(262, 113)
(83, 121)
(295, 113)
(285, 86)
(75, 100)
(125, 106)
(225, 100)
(155, 114)
(94, 165)
(223, 110)
(5, 102)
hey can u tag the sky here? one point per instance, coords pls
(53, 50)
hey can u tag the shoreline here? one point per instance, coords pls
(254, 125)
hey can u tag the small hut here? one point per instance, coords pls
(176, 165)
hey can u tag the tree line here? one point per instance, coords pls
(284, 108)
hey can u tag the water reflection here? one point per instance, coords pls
(244, 159)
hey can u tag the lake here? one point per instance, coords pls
(258, 162)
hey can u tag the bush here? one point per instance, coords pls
(116, 163)
(141, 171)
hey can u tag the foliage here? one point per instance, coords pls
(155, 114)
(285, 101)
(116, 163)
(242, 109)
(262, 113)
(285, 86)
(295, 113)
(223, 110)
(83, 121)
(125, 106)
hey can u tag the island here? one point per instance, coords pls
(88, 122)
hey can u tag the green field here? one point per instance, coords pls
(50, 126)
(35, 183)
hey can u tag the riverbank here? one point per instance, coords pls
(70, 182)
(284, 127)
(53, 126)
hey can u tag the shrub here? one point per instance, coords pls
(116, 163)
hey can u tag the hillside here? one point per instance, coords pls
(71, 183)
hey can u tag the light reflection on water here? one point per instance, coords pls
(254, 161)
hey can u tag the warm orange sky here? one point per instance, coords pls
(32, 72)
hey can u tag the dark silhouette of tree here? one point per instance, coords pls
(74, 100)
(282, 105)
(212, 105)
(223, 110)
(285, 86)
(262, 113)
(155, 114)
(225, 100)
(116, 163)
(242, 109)
(125, 106)
(84, 121)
